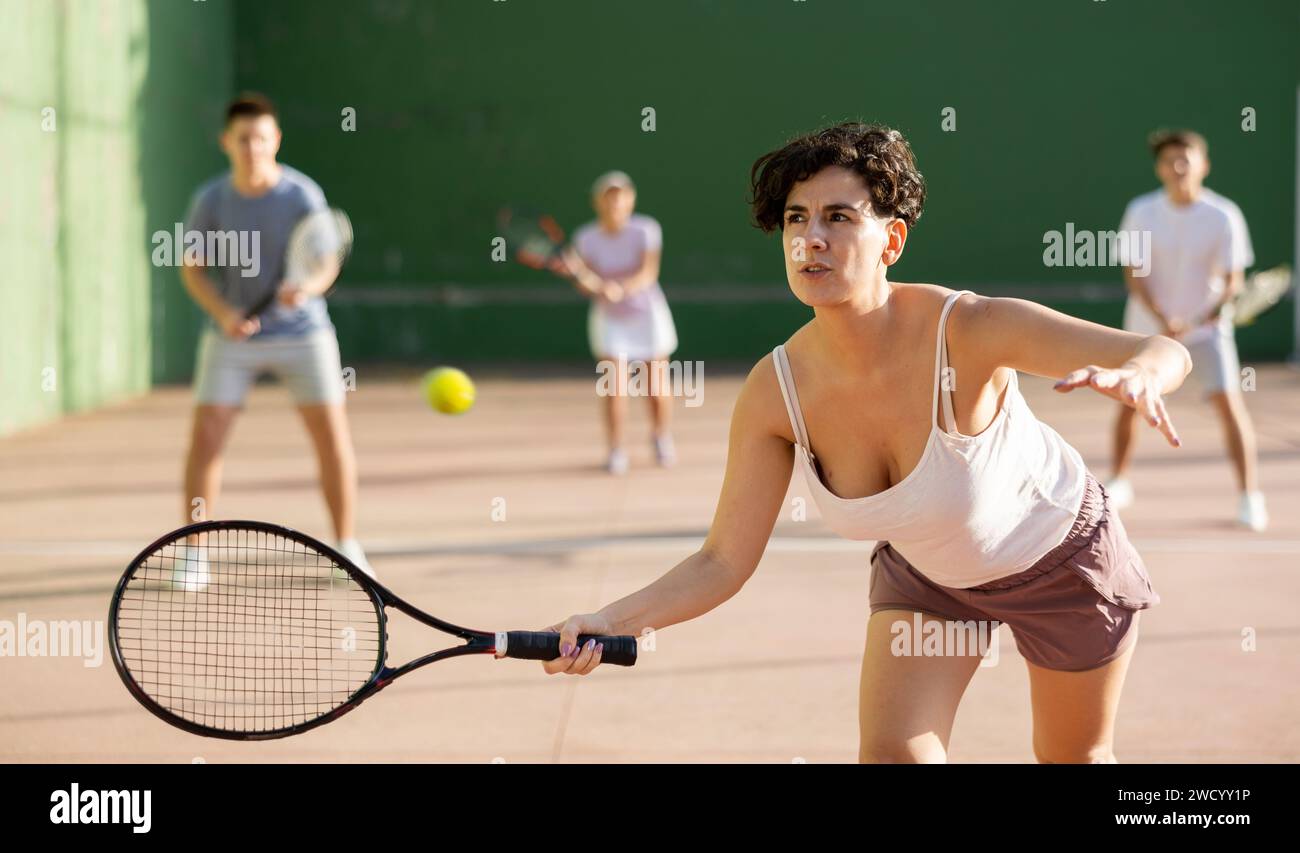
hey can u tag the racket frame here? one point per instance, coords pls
(478, 642)
(546, 223)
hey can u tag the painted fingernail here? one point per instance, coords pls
(600, 647)
(591, 644)
(565, 649)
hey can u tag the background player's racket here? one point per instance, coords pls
(250, 631)
(1261, 293)
(533, 238)
(319, 239)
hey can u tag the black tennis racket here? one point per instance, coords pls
(250, 631)
(319, 240)
(1261, 293)
(533, 238)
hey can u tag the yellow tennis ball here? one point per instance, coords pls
(448, 390)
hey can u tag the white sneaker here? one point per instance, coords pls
(1251, 512)
(351, 549)
(190, 569)
(1120, 491)
(665, 452)
(617, 463)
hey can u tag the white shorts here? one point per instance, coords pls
(308, 364)
(637, 336)
(1215, 366)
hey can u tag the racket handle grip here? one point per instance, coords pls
(545, 645)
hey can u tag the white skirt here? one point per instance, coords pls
(636, 336)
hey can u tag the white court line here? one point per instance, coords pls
(778, 544)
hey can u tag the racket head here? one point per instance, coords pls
(246, 630)
(1263, 291)
(321, 238)
(533, 238)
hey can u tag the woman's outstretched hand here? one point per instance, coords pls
(575, 660)
(1132, 386)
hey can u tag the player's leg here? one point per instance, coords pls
(907, 703)
(327, 424)
(312, 368)
(606, 335)
(1239, 435)
(614, 409)
(208, 433)
(1218, 370)
(1074, 712)
(660, 399)
(1119, 487)
(224, 370)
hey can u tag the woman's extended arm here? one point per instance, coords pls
(759, 462)
(1024, 335)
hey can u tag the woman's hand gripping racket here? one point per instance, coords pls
(250, 631)
(319, 245)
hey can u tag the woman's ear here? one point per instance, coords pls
(895, 239)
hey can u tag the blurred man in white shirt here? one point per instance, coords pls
(1200, 249)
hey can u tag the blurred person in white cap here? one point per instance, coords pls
(615, 261)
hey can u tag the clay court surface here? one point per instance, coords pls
(770, 676)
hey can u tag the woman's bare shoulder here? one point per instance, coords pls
(760, 404)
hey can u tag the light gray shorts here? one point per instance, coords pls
(1215, 366)
(1075, 609)
(308, 364)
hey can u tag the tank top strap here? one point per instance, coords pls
(941, 367)
(785, 378)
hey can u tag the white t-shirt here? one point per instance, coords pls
(619, 255)
(1193, 249)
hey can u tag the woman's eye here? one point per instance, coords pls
(839, 217)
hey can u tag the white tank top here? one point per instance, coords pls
(975, 508)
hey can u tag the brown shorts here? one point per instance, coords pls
(1073, 610)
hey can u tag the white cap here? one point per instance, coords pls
(612, 179)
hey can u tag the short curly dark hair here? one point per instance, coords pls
(879, 154)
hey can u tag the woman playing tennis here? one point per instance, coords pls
(901, 404)
(615, 262)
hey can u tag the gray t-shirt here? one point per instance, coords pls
(248, 261)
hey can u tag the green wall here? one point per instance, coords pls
(29, 215)
(464, 105)
(127, 82)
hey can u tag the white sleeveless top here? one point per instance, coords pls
(975, 508)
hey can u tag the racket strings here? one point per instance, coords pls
(247, 631)
(323, 237)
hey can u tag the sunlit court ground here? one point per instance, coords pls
(770, 676)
